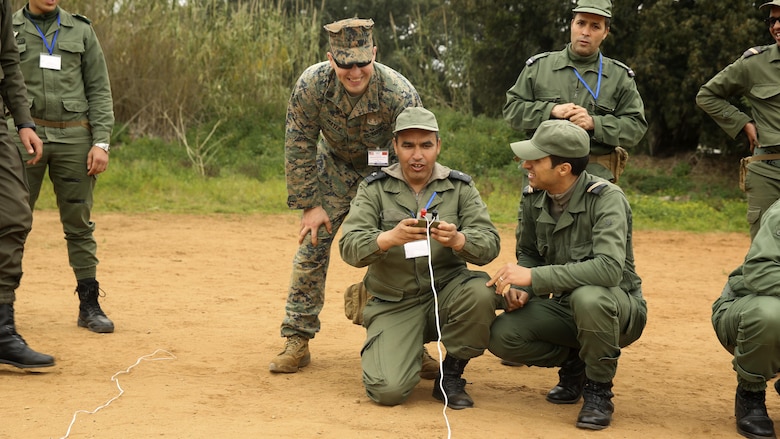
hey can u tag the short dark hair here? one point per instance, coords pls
(578, 164)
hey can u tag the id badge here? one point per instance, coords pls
(51, 62)
(416, 249)
(378, 157)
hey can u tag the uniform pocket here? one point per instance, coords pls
(765, 91)
(71, 46)
(75, 105)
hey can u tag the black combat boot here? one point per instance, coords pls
(596, 412)
(571, 382)
(454, 385)
(752, 419)
(13, 348)
(90, 314)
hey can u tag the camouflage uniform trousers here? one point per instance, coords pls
(338, 186)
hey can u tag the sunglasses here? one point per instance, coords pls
(771, 21)
(350, 65)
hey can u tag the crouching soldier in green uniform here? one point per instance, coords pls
(745, 318)
(409, 275)
(573, 297)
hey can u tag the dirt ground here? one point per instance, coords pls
(206, 294)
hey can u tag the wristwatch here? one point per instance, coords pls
(103, 146)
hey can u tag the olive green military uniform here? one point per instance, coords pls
(73, 109)
(401, 315)
(325, 171)
(586, 293)
(756, 77)
(549, 79)
(745, 316)
(15, 215)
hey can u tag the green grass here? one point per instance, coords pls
(688, 192)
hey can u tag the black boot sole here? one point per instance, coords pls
(26, 366)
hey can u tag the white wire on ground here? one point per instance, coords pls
(148, 357)
(438, 331)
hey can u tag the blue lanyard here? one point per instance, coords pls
(50, 48)
(598, 84)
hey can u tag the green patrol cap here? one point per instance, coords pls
(772, 3)
(554, 137)
(416, 117)
(351, 40)
(598, 7)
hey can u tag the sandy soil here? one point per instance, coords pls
(206, 294)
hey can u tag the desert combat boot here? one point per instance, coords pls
(294, 356)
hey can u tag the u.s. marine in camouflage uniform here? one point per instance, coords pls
(339, 129)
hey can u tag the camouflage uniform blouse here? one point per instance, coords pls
(319, 104)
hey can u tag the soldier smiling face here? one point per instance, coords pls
(355, 76)
(774, 23)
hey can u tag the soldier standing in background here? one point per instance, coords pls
(15, 212)
(339, 129)
(68, 86)
(755, 77)
(581, 85)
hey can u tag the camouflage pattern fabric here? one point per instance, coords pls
(326, 152)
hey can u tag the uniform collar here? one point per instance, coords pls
(369, 101)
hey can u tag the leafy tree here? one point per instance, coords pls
(682, 45)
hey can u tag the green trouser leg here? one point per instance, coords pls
(396, 331)
(306, 294)
(598, 321)
(749, 328)
(761, 193)
(74, 191)
(15, 216)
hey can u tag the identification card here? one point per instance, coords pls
(416, 249)
(51, 62)
(378, 157)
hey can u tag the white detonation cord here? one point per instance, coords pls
(438, 329)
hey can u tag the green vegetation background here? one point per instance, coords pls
(200, 90)
(692, 192)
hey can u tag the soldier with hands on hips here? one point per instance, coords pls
(339, 128)
(755, 77)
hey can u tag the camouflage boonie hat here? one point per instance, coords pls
(598, 7)
(351, 40)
